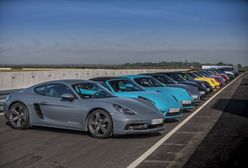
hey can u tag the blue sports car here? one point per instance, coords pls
(124, 87)
(151, 84)
(167, 81)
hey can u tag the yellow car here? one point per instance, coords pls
(212, 81)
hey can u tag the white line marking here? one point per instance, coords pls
(1, 114)
(167, 136)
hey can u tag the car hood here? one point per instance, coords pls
(133, 104)
(196, 84)
(193, 90)
(162, 102)
(180, 93)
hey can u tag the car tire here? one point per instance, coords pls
(18, 116)
(100, 124)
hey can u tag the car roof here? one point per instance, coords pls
(133, 76)
(103, 78)
(166, 72)
(153, 74)
(65, 81)
(147, 74)
(170, 72)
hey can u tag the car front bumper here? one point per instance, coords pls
(173, 114)
(135, 126)
(188, 104)
(197, 98)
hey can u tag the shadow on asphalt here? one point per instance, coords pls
(187, 111)
(171, 120)
(235, 106)
(75, 132)
(57, 130)
(226, 145)
(137, 136)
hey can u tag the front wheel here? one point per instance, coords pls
(18, 116)
(100, 124)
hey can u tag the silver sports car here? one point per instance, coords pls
(81, 105)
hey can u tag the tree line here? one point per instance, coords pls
(137, 65)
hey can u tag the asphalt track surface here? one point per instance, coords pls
(226, 145)
(190, 146)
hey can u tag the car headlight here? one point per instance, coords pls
(195, 96)
(123, 110)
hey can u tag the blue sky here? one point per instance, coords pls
(101, 31)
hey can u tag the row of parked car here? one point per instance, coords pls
(107, 106)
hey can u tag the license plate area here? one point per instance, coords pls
(157, 121)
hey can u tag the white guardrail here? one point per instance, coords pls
(23, 79)
(10, 81)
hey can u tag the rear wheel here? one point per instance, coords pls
(18, 116)
(100, 124)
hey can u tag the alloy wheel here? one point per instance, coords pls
(18, 116)
(100, 124)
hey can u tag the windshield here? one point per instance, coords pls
(228, 69)
(203, 73)
(165, 79)
(189, 77)
(148, 82)
(211, 72)
(185, 76)
(197, 74)
(219, 71)
(215, 71)
(208, 73)
(124, 85)
(176, 77)
(91, 90)
(192, 75)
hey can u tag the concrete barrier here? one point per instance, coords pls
(22, 79)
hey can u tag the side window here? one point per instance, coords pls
(41, 90)
(103, 84)
(56, 90)
(161, 79)
(123, 86)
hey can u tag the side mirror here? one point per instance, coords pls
(67, 96)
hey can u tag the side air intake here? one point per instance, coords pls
(38, 111)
